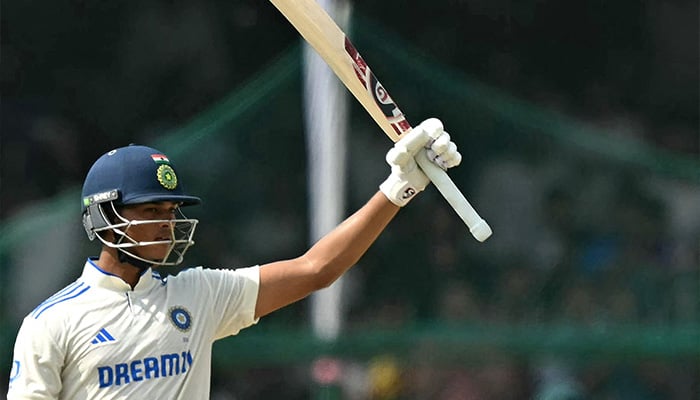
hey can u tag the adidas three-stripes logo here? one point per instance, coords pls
(102, 336)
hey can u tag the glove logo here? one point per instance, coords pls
(166, 176)
(408, 193)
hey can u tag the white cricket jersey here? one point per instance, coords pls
(99, 339)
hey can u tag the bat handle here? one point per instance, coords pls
(477, 226)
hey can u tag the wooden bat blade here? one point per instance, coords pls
(325, 36)
(330, 42)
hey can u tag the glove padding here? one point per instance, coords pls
(407, 179)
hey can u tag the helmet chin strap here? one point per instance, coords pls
(140, 264)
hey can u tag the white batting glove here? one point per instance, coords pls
(407, 179)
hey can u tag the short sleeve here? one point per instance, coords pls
(234, 298)
(36, 364)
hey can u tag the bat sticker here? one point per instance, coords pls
(391, 111)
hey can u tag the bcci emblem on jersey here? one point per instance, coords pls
(181, 318)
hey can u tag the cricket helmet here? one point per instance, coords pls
(135, 175)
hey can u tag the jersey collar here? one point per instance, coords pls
(95, 276)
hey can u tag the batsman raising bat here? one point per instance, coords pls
(121, 331)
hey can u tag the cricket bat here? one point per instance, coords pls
(325, 36)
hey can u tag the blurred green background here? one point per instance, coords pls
(579, 129)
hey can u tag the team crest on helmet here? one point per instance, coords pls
(166, 176)
(181, 318)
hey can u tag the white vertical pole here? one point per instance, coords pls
(325, 111)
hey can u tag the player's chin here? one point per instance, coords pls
(154, 252)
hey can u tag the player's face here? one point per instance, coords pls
(151, 232)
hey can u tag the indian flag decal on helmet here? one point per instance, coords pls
(166, 176)
(160, 158)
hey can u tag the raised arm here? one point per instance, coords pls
(284, 282)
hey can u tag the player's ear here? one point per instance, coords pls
(112, 214)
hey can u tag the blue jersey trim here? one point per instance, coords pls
(60, 297)
(65, 291)
(92, 262)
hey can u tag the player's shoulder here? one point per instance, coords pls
(60, 302)
(204, 275)
(185, 277)
(184, 274)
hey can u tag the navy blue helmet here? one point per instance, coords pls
(134, 175)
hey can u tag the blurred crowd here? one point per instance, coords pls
(81, 77)
(579, 240)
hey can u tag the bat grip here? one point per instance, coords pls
(477, 226)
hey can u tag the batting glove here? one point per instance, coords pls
(407, 179)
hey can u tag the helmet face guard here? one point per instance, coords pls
(97, 222)
(135, 175)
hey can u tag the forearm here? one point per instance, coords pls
(287, 281)
(342, 248)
